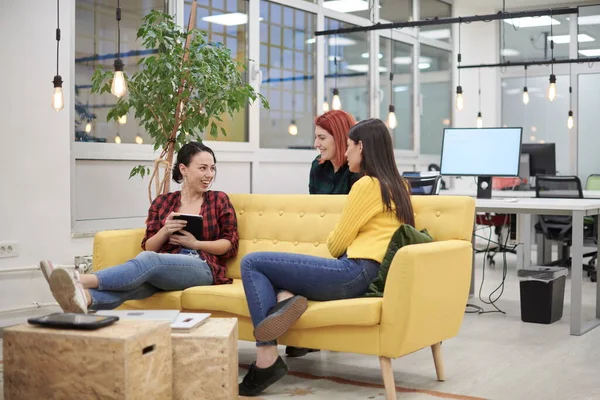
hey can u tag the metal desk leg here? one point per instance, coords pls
(524, 250)
(472, 287)
(578, 326)
(598, 280)
(577, 274)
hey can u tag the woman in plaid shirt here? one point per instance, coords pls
(173, 258)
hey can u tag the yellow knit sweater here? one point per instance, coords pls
(366, 226)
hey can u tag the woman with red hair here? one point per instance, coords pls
(329, 173)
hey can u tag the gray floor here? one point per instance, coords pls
(495, 356)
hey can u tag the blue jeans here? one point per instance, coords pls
(316, 278)
(147, 274)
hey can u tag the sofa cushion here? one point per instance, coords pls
(404, 236)
(231, 299)
(158, 301)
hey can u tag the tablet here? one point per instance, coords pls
(73, 321)
(195, 224)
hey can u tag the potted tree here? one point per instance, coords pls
(183, 88)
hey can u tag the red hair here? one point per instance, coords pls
(337, 123)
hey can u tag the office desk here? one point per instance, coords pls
(518, 194)
(577, 208)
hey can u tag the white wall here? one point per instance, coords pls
(35, 166)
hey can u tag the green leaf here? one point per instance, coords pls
(213, 82)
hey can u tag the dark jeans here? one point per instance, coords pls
(316, 278)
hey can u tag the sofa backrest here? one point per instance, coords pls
(283, 222)
(301, 223)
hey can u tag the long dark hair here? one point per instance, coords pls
(185, 155)
(378, 162)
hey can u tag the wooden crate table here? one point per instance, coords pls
(205, 361)
(126, 360)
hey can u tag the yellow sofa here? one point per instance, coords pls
(426, 290)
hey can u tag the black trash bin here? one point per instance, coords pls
(542, 294)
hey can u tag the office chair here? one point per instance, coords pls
(593, 182)
(423, 185)
(435, 167)
(559, 228)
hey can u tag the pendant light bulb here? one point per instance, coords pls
(119, 84)
(336, 103)
(552, 88)
(139, 139)
(293, 128)
(88, 127)
(479, 120)
(58, 100)
(325, 106)
(123, 119)
(118, 139)
(570, 120)
(460, 104)
(392, 120)
(525, 95)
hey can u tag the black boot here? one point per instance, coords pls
(258, 379)
(292, 351)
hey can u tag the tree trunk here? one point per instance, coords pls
(169, 150)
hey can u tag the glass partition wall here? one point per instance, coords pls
(295, 72)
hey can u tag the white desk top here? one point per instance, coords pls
(587, 194)
(539, 206)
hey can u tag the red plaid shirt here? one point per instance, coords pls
(220, 222)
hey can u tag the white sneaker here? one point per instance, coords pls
(47, 267)
(69, 293)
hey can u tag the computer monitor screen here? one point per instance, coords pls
(484, 152)
(542, 158)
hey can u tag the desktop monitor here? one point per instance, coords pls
(542, 158)
(481, 152)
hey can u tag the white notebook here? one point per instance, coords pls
(185, 322)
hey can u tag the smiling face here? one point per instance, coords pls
(325, 144)
(200, 174)
(354, 156)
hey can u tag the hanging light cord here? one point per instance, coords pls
(551, 43)
(570, 90)
(335, 59)
(57, 32)
(391, 66)
(118, 28)
(479, 89)
(459, 57)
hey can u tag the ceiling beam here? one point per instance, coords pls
(452, 20)
(528, 63)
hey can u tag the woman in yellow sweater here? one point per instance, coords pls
(277, 285)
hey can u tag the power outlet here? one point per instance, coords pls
(9, 249)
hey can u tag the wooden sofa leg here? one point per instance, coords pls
(388, 378)
(436, 350)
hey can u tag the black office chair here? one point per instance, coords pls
(435, 167)
(559, 228)
(423, 185)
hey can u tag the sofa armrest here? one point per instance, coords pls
(114, 247)
(426, 292)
